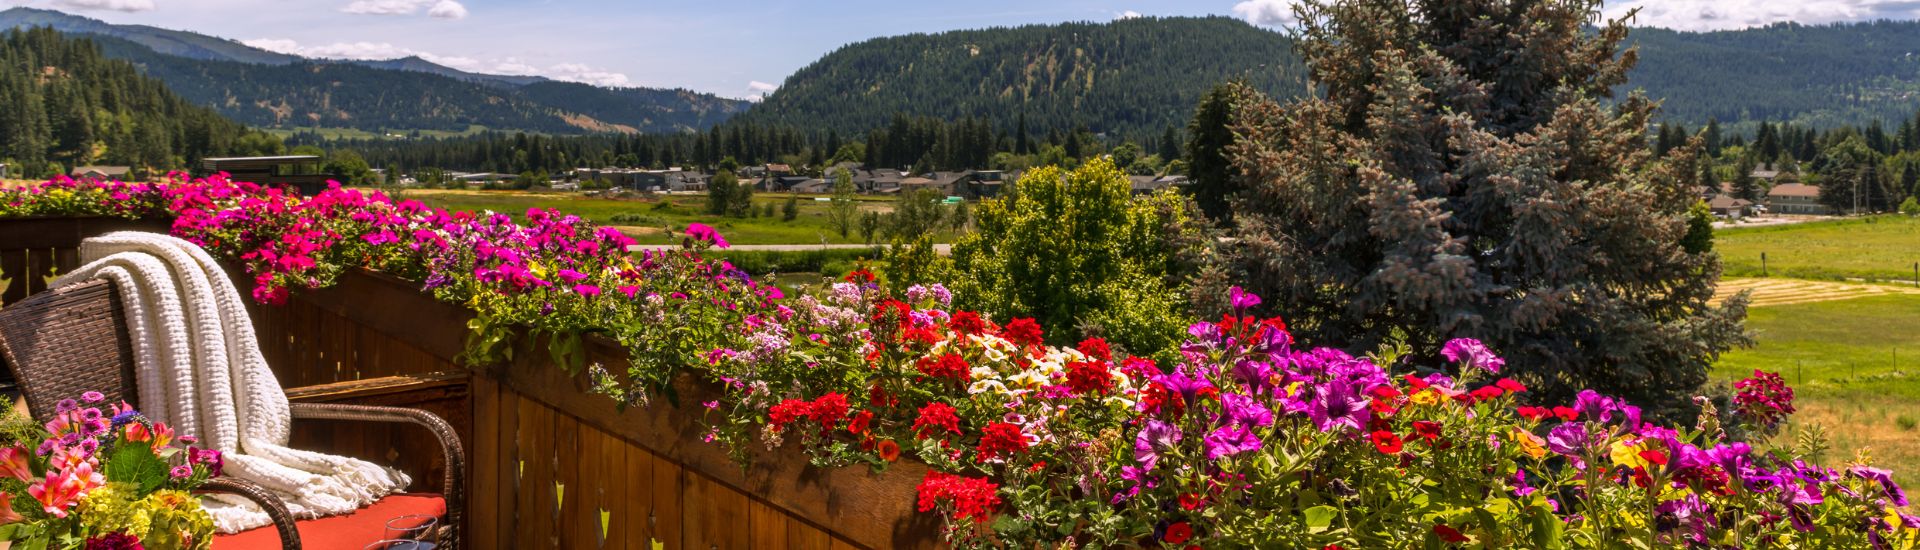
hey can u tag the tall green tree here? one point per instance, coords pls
(1744, 185)
(720, 192)
(1431, 194)
(1209, 135)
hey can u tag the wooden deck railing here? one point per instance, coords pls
(551, 465)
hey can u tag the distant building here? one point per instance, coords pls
(1795, 198)
(301, 172)
(981, 184)
(1766, 175)
(4, 171)
(813, 186)
(101, 172)
(1726, 206)
(908, 185)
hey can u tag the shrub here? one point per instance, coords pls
(1067, 247)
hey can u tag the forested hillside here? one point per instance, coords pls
(1821, 75)
(62, 104)
(1133, 77)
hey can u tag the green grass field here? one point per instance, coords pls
(1855, 368)
(650, 220)
(1876, 248)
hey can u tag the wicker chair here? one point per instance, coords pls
(65, 341)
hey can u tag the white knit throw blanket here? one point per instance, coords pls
(199, 370)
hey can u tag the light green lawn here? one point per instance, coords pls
(655, 217)
(1855, 368)
(1879, 248)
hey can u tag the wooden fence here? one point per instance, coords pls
(552, 465)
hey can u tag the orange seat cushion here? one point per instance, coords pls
(348, 532)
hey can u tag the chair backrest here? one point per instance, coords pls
(69, 340)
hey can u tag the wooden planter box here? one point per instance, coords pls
(551, 463)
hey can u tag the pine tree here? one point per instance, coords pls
(1744, 185)
(1215, 184)
(1430, 195)
(1712, 137)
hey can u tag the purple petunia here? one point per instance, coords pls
(1473, 354)
(1336, 404)
(1153, 438)
(1883, 477)
(1230, 440)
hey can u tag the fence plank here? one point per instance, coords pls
(714, 515)
(667, 492)
(769, 526)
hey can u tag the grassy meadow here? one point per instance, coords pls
(655, 220)
(1875, 248)
(1855, 368)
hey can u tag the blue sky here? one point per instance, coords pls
(739, 48)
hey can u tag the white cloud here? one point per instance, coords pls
(111, 5)
(439, 9)
(1702, 15)
(447, 9)
(571, 72)
(757, 90)
(1129, 14)
(1269, 13)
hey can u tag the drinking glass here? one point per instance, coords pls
(414, 528)
(399, 545)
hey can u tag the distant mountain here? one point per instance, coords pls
(1826, 75)
(416, 64)
(274, 90)
(1133, 76)
(165, 41)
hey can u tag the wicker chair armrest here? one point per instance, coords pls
(276, 509)
(453, 487)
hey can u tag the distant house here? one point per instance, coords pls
(1795, 198)
(1726, 206)
(778, 170)
(4, 173)
(884, 180)
(100, 172)
(300, 172)
(915, 183)
(980, 184)
(812, 186)
(1766, 175)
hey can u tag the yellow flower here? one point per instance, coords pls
(1426, 397)
(1626, 452)
(1530, 444)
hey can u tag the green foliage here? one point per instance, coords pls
(916, 214)
(828, 261)
(790, 209)
(1699, 238)
(844, 211)
(1068, 247)
(1429, 196)
(1911, 206)
(914, 262)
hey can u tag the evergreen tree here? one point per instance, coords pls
(844, 211)
(720, 192)
(1712, 137)
(1430, 195)
(790, 210)
(1215, 183)
(1744, 185)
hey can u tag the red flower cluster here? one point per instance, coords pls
(935, 418)
(1096, 348)
(1089, 377)
(860, 276)
(971, 497)
(967, 323)
(950, 366)
(1023, 331)
(1386, 442)
(1764, 400)
(827, 410)
(1001, 438)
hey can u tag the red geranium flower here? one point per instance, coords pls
(1089, 377)
(935, 418)
(949, 366)
(1001, 438)
(1386, 442)
(967, 322)
(1448, 534)
(1096, 348)
(1178, 533)
(1023, 331)
(829, 410)
(971, 497)
(786, 412)
(860, 275)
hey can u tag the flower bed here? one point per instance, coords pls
(1247, 440)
